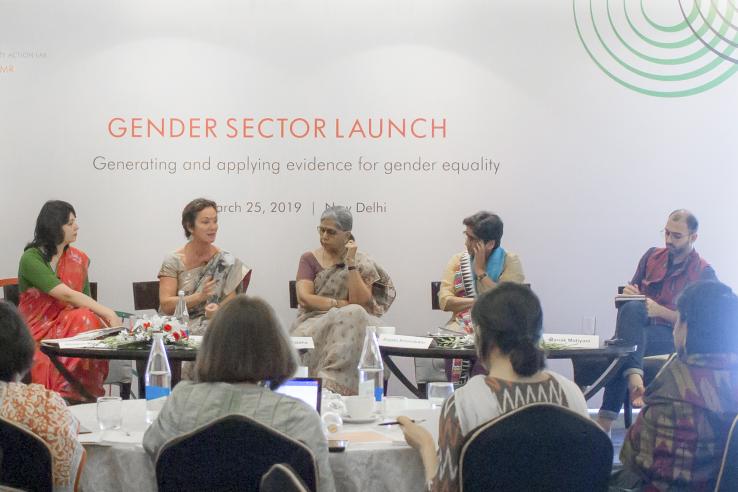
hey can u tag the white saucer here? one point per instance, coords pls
(350, 420)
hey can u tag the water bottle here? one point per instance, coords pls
(371, 368)
(158, 378)
(181, 314)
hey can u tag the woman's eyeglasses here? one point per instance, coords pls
(325, 230)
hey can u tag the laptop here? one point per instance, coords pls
(305, 389)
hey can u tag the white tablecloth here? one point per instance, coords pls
(125, 466)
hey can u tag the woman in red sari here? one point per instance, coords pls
(55, 299)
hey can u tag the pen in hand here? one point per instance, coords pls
(394, 422)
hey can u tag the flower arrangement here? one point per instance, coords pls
(142, 332)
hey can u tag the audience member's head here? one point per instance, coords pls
(189, 214)
(708, 319)
(245, 343)
(509, 318)
(16, 344)
(485, 226)
(680, 232)
(49, 232)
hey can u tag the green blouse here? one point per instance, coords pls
(35, 271)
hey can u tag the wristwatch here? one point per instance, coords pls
(482, 276)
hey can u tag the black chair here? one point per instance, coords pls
(727, 479)
(282, 478)
(293, 294)
(25, 459)
(231, 453)
(541, 447)
(146, 295)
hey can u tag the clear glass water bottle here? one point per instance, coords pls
(371, 367)
(181, 314)
(158, 378)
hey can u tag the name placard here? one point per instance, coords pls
(302, 343)
(404, 341)
(572, 340)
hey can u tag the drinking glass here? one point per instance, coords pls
(589, 325)
(438, 392)
(109, 412)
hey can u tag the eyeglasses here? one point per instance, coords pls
(324, 230)
(676, 236)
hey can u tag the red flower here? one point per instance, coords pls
(147, 325)
(167, 327)
(175, 335)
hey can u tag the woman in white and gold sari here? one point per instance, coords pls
(341, 291)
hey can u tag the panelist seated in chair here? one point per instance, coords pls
(678, 438)
(341, 291)
(208, 275)
(508, 322)
(41, 411)
(662, 274)
(480, 268)
(244, 347)
(55, 299)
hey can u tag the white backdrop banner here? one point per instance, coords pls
(582, 127)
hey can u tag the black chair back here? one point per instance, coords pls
(25, 459)
(282, 478)
(540, 447)
(727, 479)
(231, 453)
(293, 294)
(146, 295)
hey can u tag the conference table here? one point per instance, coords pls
(116, 461)
(139, 354)
(593, 367)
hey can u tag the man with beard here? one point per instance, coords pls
(662, 274)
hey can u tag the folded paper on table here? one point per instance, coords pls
(88, 335)
(68, 344)
(571, 341)
(111, 437)
(404, 341)
(361, 436)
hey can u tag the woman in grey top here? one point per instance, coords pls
(244, 345)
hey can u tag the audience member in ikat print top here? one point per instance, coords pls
(41, 411)
(341, 291)
(507, 324)
(679, 436)
(55, 299)
(662, 274)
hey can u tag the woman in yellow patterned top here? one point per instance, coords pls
(41, 411)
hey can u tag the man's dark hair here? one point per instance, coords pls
(16, 344)
(685, 215)
(710, 310)
(486, 226)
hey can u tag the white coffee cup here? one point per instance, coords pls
(359, 407)
(386, 330)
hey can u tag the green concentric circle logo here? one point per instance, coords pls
(663, 48)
